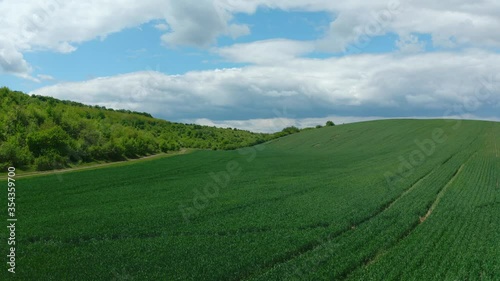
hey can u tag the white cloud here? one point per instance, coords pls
(64, 48)
(363, 85)
(237, 30)
(162, 26)
(198, 23)
(11, 60)
(271, 125)
(60, 26)
(410, 44)
(450, 22)
(280, 87)
(266, 52)
(45, 77)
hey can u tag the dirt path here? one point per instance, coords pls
(97, 166)
(441, 194)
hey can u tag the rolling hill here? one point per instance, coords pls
(379, 200)
(44, 133)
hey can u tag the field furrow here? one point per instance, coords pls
(294, 211)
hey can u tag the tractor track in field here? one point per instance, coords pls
(303, 249)
(412, 228)
(320, 242)
(317, 244)
(289, 256)
(441, 194)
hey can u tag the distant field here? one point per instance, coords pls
(380, 200)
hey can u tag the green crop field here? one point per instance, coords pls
(380, 200)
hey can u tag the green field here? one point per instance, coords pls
(380, 200)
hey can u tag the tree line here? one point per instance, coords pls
(44, 133)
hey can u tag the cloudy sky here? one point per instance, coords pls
(259, 64)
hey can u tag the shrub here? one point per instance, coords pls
(14, 155)
(53, 139)
(50, 161)
(290, 130)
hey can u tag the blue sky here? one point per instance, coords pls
(140, 49)
(258, 64)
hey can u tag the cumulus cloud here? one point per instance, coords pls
(199, 23)
(410, 44)
(405, 83)
(391, 85)
(61, 26)
(271, 125)
(450, 23)
(45, 77)
(11, 60)
(266, 52)
(161, 26)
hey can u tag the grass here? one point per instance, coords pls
(93, 165)
(317, 205)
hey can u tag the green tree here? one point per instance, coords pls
(290, 130)
(53, 139)
(329, 123)
(12, 154)
(49, 161)
(49, 133)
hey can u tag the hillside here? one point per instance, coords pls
(380, 200)
(44, 133)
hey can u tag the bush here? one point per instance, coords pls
(329, 123)
(4, 166)
(131, 149)
(12, 154)
(290, 130)
(50, 161)
(53, 139)
(113, 151)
